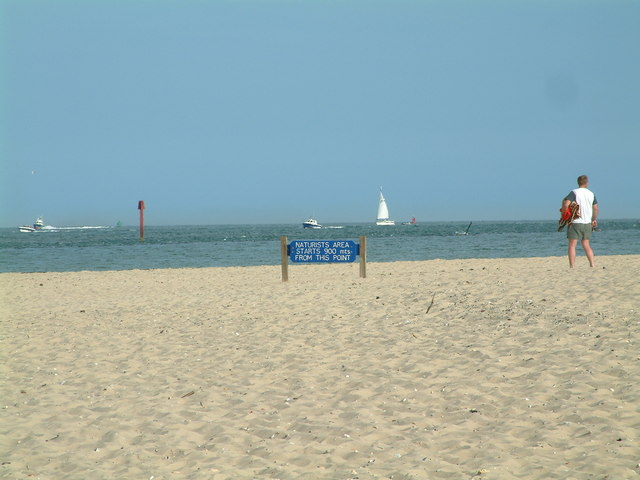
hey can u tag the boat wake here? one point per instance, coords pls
(52, 228)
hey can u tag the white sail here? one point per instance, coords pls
(383, 212)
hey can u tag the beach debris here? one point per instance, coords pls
(188, 394)
(431, 304)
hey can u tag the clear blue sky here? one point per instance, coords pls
(270, 111)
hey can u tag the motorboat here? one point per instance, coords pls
(37, 225)
(311, 223)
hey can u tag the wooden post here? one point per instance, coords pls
(141, 208)
(363, 257)
(285, 259)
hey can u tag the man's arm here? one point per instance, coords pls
(594, 216)
(566, 201)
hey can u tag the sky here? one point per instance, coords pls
(247, 111)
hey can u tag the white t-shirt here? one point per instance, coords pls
(586, 199)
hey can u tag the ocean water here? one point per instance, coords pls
(59, 249)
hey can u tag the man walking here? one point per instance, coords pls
(581, 227)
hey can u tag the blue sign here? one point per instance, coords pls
(329, 251)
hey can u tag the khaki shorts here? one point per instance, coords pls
(579, 231)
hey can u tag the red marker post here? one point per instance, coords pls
(141, 208)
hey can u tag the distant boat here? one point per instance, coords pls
(412, 222)
(311, 223)
(37, 225)
(466, 232)
(383, 212)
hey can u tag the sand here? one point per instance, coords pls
(443, 369)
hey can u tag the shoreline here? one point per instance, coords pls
(488, 368)
(580, 255)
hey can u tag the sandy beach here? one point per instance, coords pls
(442, 369)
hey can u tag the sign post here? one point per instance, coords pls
(322, 251)
(363, 257)
(285, 259)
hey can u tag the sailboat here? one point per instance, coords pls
(383, 212)
(466, 232)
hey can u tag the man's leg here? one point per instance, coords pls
(588, 252)
(571, 250)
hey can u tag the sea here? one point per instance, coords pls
(99, 248)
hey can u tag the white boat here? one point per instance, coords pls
(383, 212)
(412, 222)
(311, 223)
(37, 225)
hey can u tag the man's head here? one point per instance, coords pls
(583, 180)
